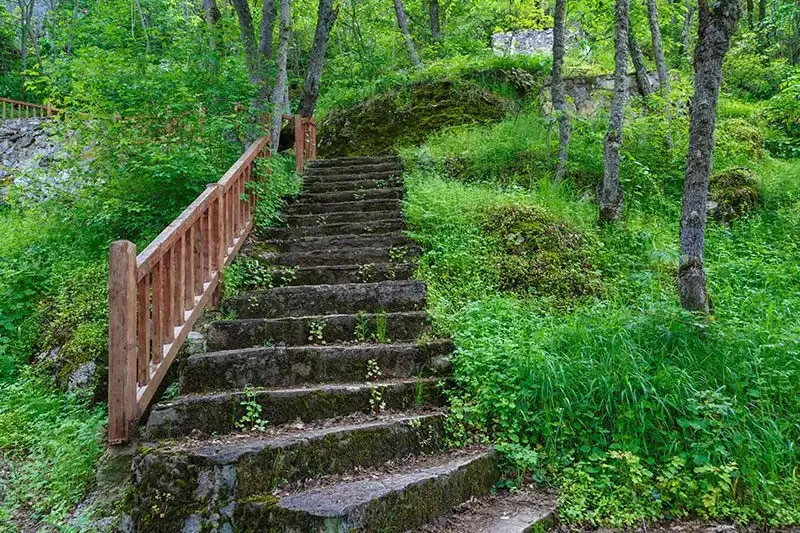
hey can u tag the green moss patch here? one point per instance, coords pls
(540, 254)
(406, 117)
(732, 194)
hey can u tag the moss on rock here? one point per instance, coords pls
(732, 194)
(538, 254)
(407, 116)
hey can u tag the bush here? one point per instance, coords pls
(783, 111)
(750, 73)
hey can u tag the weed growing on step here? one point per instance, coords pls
(362, 327)
(321, 220)
(397, 253)
(316, 331)
(251, 419)
(382, 328)
(366, 273)
(376, 403)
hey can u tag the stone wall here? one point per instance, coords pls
(531, 42)
(588, 94)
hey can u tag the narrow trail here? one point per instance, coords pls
(338, 372)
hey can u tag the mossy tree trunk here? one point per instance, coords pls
(278, 92)
(402, 23)
(258, 54)
(433, 16)
(326, 17)
(717, 22)
(265, 45)
(609, 194)
(639, 67)
(661, 65)
(557, 90)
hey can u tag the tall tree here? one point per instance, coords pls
(557, 89)
(326, 17)
(25, 23)
(661, 65)
(402, 23)
(609, 194)
(265, 41)
(639, 67)
(247, 33)
(279, 90)
(258, 55)
(433, 17)
(684, 49)
(717, 22)
(762, 9)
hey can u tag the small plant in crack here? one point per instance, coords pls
(316, 331)
(362, 327)
(397, 253)
(359, 195)
(251, 419)
(288, 275)
(366, 273)
(322, 220)
(376, 402)
(382, 328)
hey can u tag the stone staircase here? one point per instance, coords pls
(318, 406)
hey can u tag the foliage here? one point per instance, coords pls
(783, 110)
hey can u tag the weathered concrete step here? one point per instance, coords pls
(340, 207)
(346, 256)
(391, 502)
(351, 228)
(364, 182)
(350, 196)
(217, 473)
(289, 366)
(336, 242)
(351, 170)
(336, 274)
(325, 219)
(351, 161)
(321, 329)
(220, 413)
(305, 300)
(526, 511)
(353, 180)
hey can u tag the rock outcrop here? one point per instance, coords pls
(588, 94)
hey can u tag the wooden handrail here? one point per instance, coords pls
(155, 298)
(14, 109)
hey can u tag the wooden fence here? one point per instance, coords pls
(305, 140)
(155, 298)
(13, 109)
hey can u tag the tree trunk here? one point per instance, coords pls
(609, 195)
(281, 78)
(212, 16)
(750, 14)
(557, 91)
(762, 9)
(403, 24)
(687, 25)
(661, 65)
(717, 24)
(433, 15)
(326, 17)
(26, 15)
(245, 18)
(639, 67)
(265, 44)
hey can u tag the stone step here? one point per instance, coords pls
(350, 228)
(217, 474)
(353, 180)
(321, 329)
(325, 219)
(350, 196)
(290, 366)
(305, 300)
(345, 170)
(524, 511)
(345, 256)
(383, 204)
(336, 274)
(336, 242)
(351, 161)
(363, 183)
(389, 502)
(221, 412)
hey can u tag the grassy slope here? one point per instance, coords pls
(637, 409)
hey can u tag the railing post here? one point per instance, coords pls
(121, 341)
(299, 142)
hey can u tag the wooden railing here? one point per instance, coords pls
(13, 109)
(305, 140)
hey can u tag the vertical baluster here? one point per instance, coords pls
(248, 169)
(143, 331)
(213, 235)
(4, 110)
(236, 203)
(207, 244)
(158, 310)
(198, 255)
(26, 111)
(168, 320)
(188, 285)
(180, 270)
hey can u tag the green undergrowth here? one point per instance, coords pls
(634, 408)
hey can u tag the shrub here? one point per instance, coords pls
(739, 138)
(783, 111)
(539, 254)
